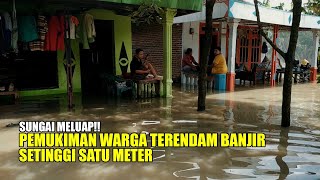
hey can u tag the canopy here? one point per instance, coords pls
(122, 7)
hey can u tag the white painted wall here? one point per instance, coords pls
(315, 46)
(219, 11)
(272, 16)
(223, 38)
(191, 41)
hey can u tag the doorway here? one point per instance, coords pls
(36, 70)
(99, 59)
(248, 46)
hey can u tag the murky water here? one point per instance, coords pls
(292, 153)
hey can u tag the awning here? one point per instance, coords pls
(122, 7)
(246, 11)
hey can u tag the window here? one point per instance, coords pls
(248, 46)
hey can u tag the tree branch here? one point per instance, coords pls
(274, 46)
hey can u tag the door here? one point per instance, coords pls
(248, 47)
(99, 60)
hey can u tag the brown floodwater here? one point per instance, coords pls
(290, 153)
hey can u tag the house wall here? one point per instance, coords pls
(122, 35)
(191, 40)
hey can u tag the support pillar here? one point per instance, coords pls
(167, 22)
(69, 63)
(274, 56)
(223, 38)
(233, 27)
(313, 62)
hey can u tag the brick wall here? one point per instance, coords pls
(150, 39)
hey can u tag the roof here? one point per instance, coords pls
(245, 11)
(124, 7)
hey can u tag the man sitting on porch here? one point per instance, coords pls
(140, 67)
(219, 65)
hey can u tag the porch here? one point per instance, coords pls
(236, 32)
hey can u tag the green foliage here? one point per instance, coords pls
(281, 6)
(148, 12)
(313, 7)
(265, 3)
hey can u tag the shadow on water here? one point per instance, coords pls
(283, 145)
(290, 153)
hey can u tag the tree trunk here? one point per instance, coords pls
(202, 82)
(286, 93)
(290, 57)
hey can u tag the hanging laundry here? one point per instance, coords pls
(7, 30)
(87, 31)
(8, 21)
(55, 36)
(38, 45)
(42, 27)
(2, 35)
(27, 26)
(91, 31)
(74, 23)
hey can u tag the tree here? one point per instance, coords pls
(265, 3)
(289, 57)
(313, 7)
(148, 12)
(202, 89)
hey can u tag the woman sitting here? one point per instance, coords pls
(189, 64)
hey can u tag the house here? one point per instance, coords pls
(235, 30)
(76, 68)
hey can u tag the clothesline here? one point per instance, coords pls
(44, 33)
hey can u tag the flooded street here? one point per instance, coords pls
(292, 153)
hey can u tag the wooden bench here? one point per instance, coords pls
(147, 88)
(10, 93)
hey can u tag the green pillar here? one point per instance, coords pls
(167, 21)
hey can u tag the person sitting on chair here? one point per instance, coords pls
(305, 64)
(140, 67)
(189, 64)
(305, 70)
